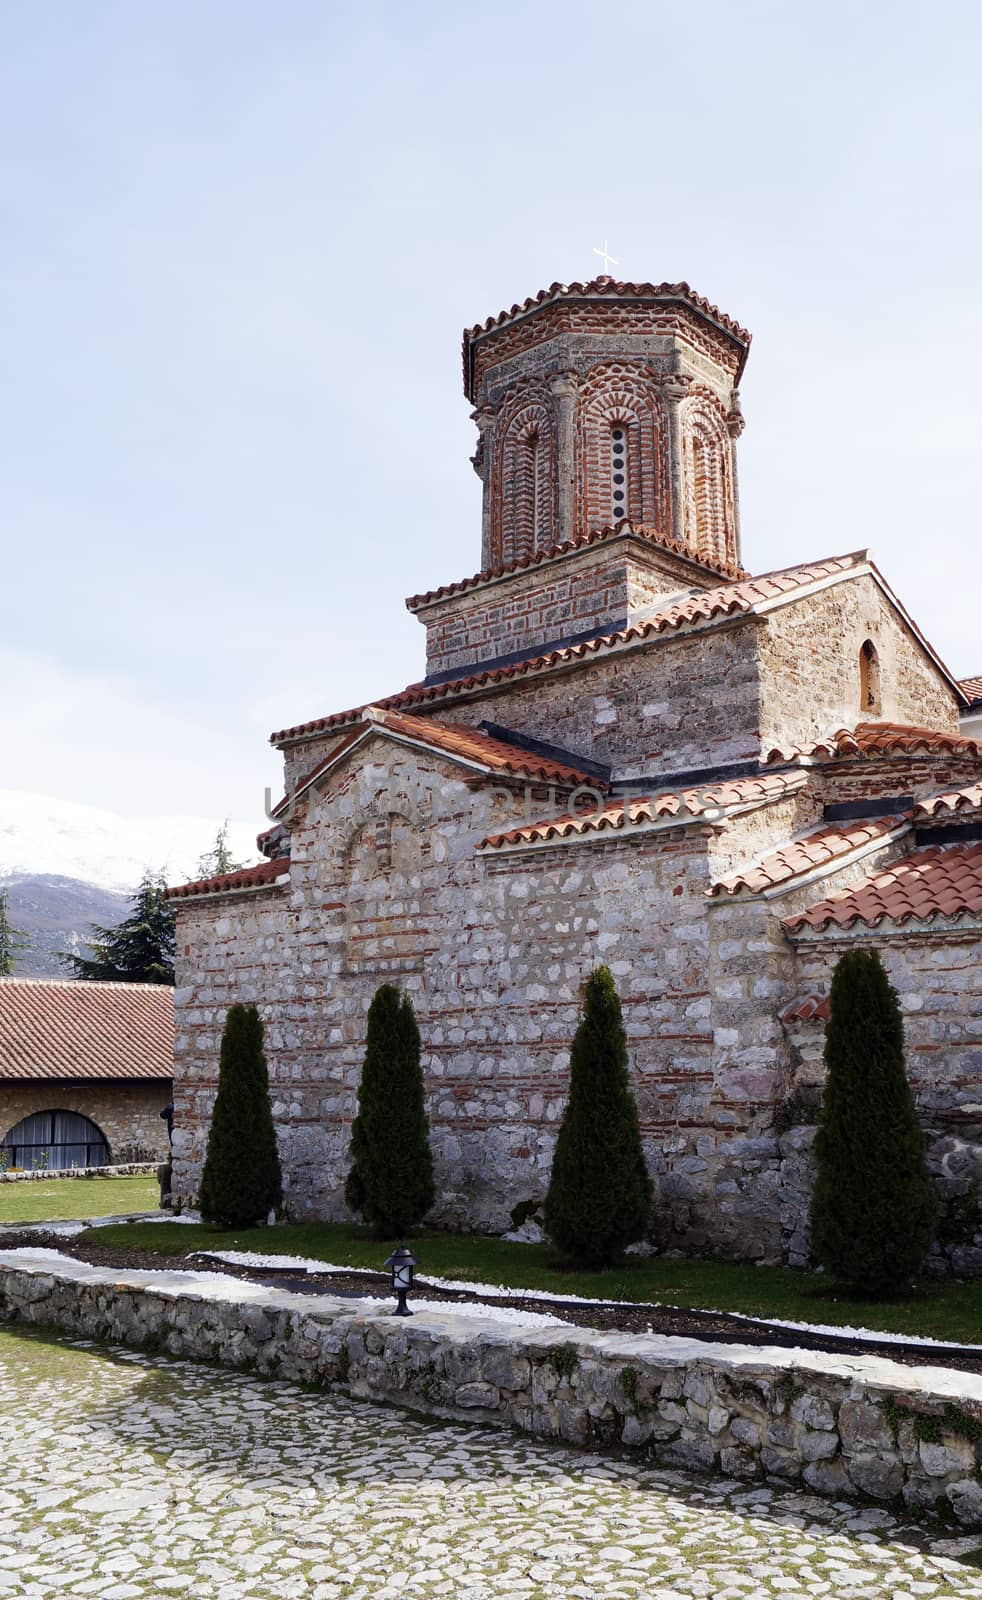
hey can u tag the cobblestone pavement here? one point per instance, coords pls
(129, 1476)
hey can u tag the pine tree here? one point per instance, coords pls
(391, 1178)
(219, 859)
(241, 1181)
(600, 1194)
(12, 941)
(138, 950)
(873, 1208)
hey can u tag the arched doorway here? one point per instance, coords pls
(54, 1140)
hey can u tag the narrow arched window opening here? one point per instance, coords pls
(534, 519)
(869, 679)
(618, 472)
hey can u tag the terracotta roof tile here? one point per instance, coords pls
(494, 756)
(68, 1031)
(605, 287)
(950, 800)
(258, 877)
(798, 857)
(596, 536)
(707, 605)
(973, 688)
(625, 812)
(943, 880)
(870, 739)
(812, 1007)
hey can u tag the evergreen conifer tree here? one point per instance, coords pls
(241, 1181)
(139, 949)
(873, 1208)
(600, 1194)
(11, 940)
(391, 1178)
(219, 859)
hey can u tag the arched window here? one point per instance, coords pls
(618, 472)
(54, 1140)
(869, 679)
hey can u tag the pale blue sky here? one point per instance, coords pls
(238, 244)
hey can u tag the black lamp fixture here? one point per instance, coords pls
(402, 1262)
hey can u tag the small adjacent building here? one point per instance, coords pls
(85, 1071)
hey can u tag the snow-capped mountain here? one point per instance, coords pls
(58, 838)
(67, 866)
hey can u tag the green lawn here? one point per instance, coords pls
(67, 1199)
(941, 1311)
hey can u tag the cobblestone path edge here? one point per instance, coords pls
(848, 1427)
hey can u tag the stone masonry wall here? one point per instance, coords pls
(128, 1114)
(385, 885)
(665, 708)
(856, 1427)
(581, 591)
(809, 667)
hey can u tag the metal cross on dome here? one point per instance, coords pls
(608, 260)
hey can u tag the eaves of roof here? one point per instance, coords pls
(247, 880)
(937, 881)
(812, 856)
(608, 289)
(623, 530)
(707, 608)
(467, 747)
(630, 816)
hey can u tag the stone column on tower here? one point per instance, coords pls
(564, 389)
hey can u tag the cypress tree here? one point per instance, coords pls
(241, 1181)
(600, 1194)
(391, 1178)
(873, 1208)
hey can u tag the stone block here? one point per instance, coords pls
(945, 1459)
(879, 1476)
(965, 1498)
(470, 1396)
(813, 1411)
(863, 1427)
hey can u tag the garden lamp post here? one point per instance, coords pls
(402, 1262)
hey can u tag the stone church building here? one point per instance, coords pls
(626, 749)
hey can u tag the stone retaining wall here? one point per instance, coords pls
(128, 1169)
(843, 1426)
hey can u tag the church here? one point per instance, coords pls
(626, 748)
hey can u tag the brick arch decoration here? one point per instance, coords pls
(524, 477)
(710, 519)
(615, 392)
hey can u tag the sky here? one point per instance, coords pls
(239, 243)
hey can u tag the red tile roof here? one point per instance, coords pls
(871, 739)
(262, 876)
(624, 812)
(944, 880)
(51, 1029)
(950, 800)
(810, 1007)
(732, 599)
(620, 530)
(798, 857)
(973, 688)
(469, 745)
(605, 289)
